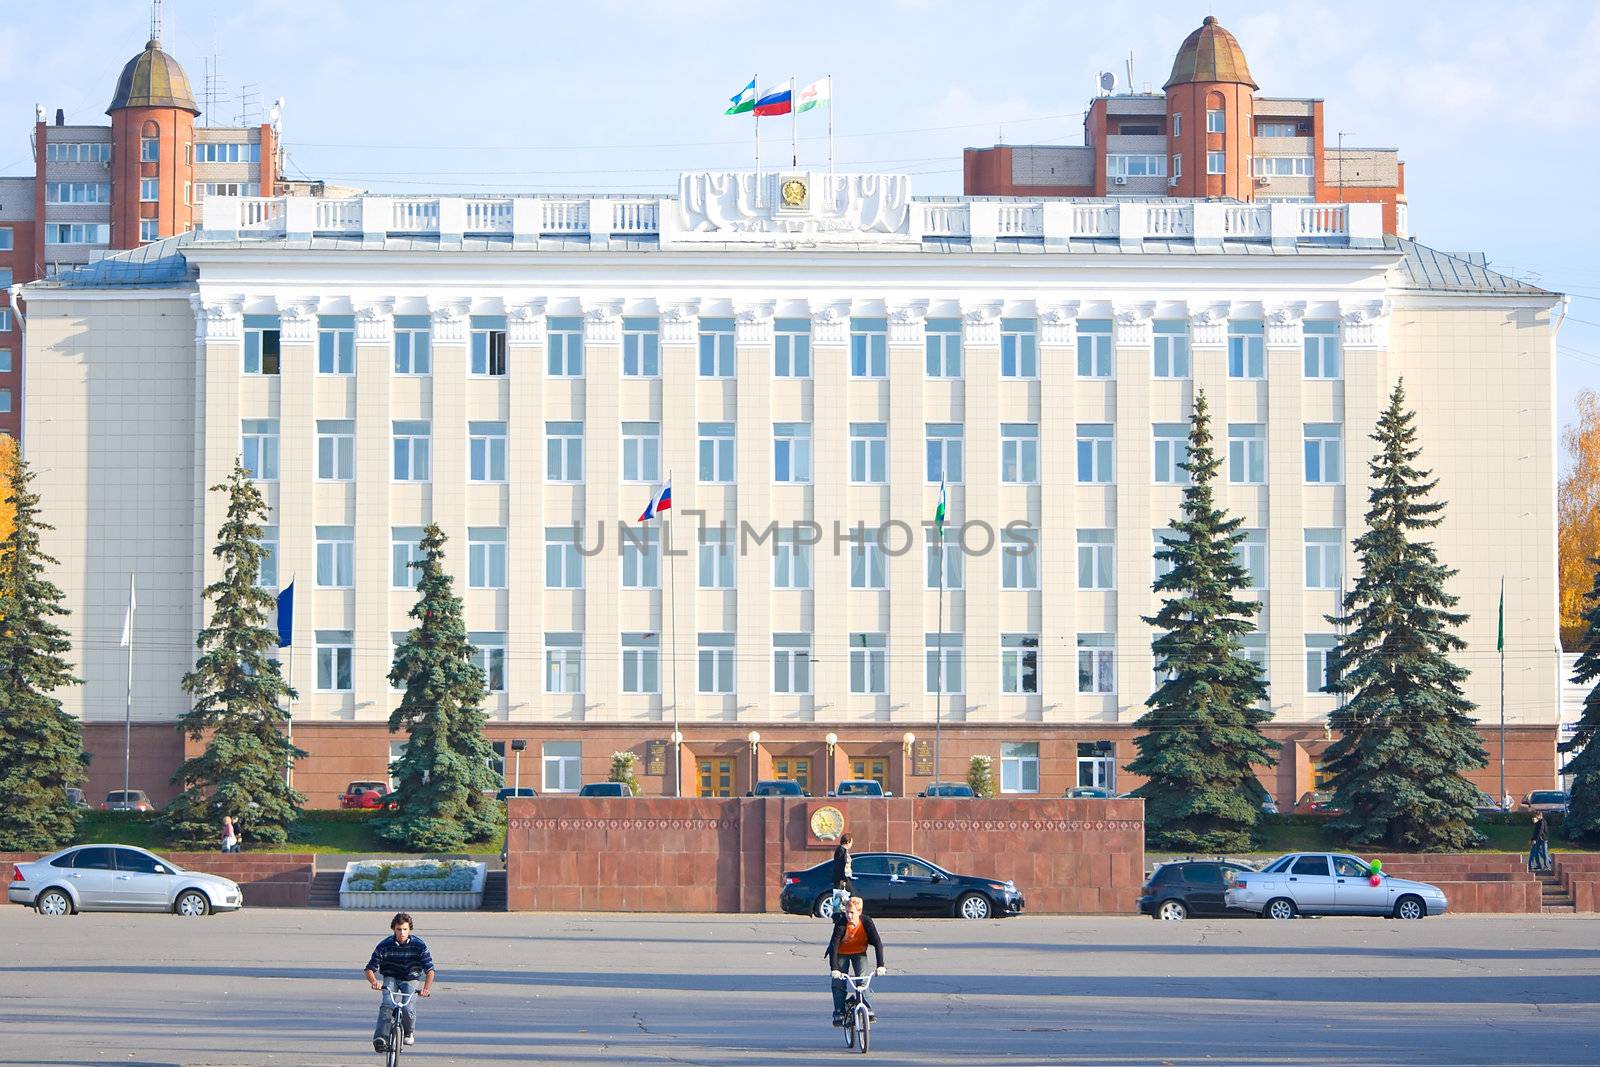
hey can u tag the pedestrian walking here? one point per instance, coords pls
(1539, 845)
(230, 835)
(842, 875)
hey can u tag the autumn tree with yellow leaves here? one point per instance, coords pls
(1578, 515)
(8, 463)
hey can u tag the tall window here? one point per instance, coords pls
(1019, 453)
(945, 562)
(641, 557)
(413, 446)
(1253, 649)
(1324, 559)
(336, 344)
(715, 663)
(335, 661)
(1096, 664)
(1019, 559)
(1216, 121)
(149, 150)
(1171, 348)
(1019, 664)
(563, 766)
(486, 451)
(405, 549)
(942, 343)
(869, 664)
(1019, 766)
(1019, 352)
(1251, 554)
(486, 557)
(563, 444)
(1323, 453)
(489, 656)
(791, 663)
(716, 558)
(943, 662)
(1097, 559)
(944, 448)
(791, 452)
(791, 561)
(1321, 662)
(791, 351)
(641, 348)
(1216, 162)
(641, 452)
(267, 575)
(716, 348)
(869, 453)
(94, 192)
(261, 344)
(563, 562)
(259, 448)
(641, 663)
(869, 568)
(1160, 543)
(488, 356)
(412, 350)
(869, 348)
(716, 452)
(149, 230)
(1094, 348)
(564, 347)
(1095, 455)
(1247, 453)
(1246, 358)
(1322, 350)
(336, 450)
(563, 662)
(1170, 450)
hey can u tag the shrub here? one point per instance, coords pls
(980, 776)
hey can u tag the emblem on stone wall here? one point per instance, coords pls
(827, 823)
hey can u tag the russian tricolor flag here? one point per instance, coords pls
(777, 100)
(661, 501)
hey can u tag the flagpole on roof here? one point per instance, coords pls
(830, 125)
(794, 122)
(757, 114)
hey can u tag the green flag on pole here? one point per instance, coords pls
(1500, 629)
(938, 515)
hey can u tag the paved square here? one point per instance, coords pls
(284, 987)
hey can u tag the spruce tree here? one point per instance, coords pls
(446, 796)
(1582, 820)
(1202, 738)
(1407, 731)
(41, 746)
(239, 696)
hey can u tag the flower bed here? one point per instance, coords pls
(435, 885)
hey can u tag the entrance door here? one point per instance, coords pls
(716, 777)
(875, 769)
(793, 769)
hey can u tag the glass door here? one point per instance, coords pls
(793, 769)
(716, 778)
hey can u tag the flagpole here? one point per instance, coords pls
(127, 715)
(938, 700)
(757, 115)
(288, 773)
(1500, 641)
(794, 122)
(830, 125)
(672, 609)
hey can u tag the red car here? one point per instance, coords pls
(364, 795)
(1317, 802)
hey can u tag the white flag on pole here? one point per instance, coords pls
(127, 620)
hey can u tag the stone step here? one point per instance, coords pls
(1560, 909)
(325, 889)
(494, 891)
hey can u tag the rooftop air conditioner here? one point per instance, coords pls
(1262, 180)
(1120, 180)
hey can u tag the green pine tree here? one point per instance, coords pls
(1582, 820)
(1202, 740)
(446, 796)
(41, 746)
(1407, 732)
(980, 775)
(239, 697)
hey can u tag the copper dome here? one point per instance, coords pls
(1210, 54)
(153, 79)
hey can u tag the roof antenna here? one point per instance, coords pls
(155, 20)
(1130, 71)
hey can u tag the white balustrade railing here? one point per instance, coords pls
(635, 217)
(1021, 220)
(1093, 220)
(338, 216)
(564, 216)
(414, 215)
(1167, 220)
(488, 216)
(1323, 220)
(1246, 221)
(946, 220)
(256, 211)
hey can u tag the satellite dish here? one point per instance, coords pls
(1108, 81)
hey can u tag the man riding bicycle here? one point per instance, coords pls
(401, 961)
(847, 951)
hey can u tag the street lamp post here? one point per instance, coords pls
(517, 745)
(677, 763)
(830, 739)
(755, 747)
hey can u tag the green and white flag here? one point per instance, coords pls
(744, 101)
(1500, 628)
(938, 514)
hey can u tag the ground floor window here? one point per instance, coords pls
(1019, 767)
(875, 769)
(563, 766)
(793, 769)
(716, 777)
(1096, 764)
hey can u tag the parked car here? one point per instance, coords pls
(1316, 802)
(605, 789)
(1549, 801)
(1317, 883)
(1089, 792)
(1486, 804)
(859, 787)
(777, 787)
(76, 798)
(516, 791)
(364, 795)
(118, 878)
(894, 883)
(1269, 806)
(948, 789)
(127, 800)
(1189, 887)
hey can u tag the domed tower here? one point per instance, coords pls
(152, 150)
(1211, 115)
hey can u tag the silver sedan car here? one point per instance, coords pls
(118, 878)
(1322, 883)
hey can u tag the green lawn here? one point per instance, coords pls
(317, 831)
(1294, 833)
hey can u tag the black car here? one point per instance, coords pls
(893, 883)
(516, 791)
(605, 789)
(777, 787)
(1190, 887)
(948, 789)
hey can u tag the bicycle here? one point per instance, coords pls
(858, 1011)
(396, 1034)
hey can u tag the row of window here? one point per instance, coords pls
(488, 452)
(150, 152)
(99, 233)
(77, 152)
(792, 662)
(869, 341)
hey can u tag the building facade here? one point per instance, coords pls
(814, 361)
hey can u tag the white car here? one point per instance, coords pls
(1322, 883)
(118, 878)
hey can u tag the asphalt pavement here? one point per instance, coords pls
(284, 987)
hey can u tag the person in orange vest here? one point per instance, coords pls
(853, 932)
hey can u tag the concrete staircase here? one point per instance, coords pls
(494, 891)
(325, 889)
(1556, 898)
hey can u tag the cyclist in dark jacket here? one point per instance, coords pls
(853, 934)
(399, 962)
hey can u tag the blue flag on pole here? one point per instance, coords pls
(286, 615)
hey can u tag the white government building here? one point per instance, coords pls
(792, 348)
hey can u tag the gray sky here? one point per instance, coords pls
(1491, 104)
